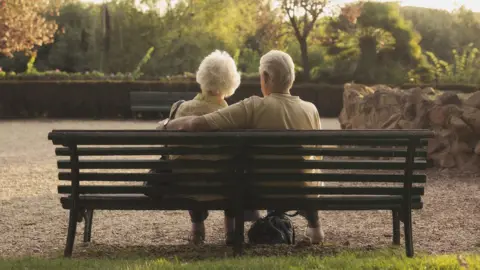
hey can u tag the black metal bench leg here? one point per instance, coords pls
(72, 230)
(396, 227)
(408, 233)
(239, 235)
(87, 236)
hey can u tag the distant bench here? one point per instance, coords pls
(394, 185)
(156, 102)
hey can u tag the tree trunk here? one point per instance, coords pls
(305, 62)
(365, 71)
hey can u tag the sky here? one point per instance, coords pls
(438, 4)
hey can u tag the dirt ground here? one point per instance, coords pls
(32, 221)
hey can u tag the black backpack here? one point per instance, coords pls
(275, 228)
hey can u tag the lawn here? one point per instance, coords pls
(385, 259)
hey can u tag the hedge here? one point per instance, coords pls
(110, 100)
(96, 76)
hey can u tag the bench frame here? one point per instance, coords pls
(71, 139)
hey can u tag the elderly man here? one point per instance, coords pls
(277, 110)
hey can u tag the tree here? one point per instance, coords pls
(437, 29)
(385, 46)
(302, 15)
(270, 31)
(23, 26)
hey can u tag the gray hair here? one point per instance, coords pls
(280, 68)
(217, 74)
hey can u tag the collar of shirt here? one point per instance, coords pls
(287, 95)
(210, 99)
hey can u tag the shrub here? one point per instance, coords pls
(463, 70)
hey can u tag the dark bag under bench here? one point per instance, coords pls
(366, 182)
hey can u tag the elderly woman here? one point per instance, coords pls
(277, 110)
(218, 79)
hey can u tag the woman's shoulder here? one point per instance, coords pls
(197, 107)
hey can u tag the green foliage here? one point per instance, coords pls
(137, 72)
(442, 31)
(65, 76)
(384, 45)
(247, 60)
(380, 47)
(404, 54)
(182, 35)
(31, 64)
(57, 75)
(346, 260)
(463, 70)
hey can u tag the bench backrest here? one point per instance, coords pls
(115, 162)
(156, 98)
(124, 158)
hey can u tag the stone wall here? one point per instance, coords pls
(455, 118)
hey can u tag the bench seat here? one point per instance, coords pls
(142, 202)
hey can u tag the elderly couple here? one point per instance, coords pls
(277, 109)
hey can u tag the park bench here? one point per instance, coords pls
(368, 181)
(155, 101)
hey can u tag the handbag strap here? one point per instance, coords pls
(175, 107)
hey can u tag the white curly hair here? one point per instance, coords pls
(217, 74)
(280, 68)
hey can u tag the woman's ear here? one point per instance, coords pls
(266, 78)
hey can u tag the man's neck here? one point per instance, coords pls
(281, 93)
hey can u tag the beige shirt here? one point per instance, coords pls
(198, 106)
(276, 111)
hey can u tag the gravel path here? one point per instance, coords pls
(32, 221)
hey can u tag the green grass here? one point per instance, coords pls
(385, 259)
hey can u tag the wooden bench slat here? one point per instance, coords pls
(139, 202)
(254, 177)
(160, 140)
(138, 151)
(372, 134)
(262, 191)
(253, 165)
(334, 177)
(258, 191)
(338, 199)
(140, 177)
(169, 190)
(324, 137)
(182, 150)
(156, 101)
(150, 164)
(146, 96)
(338, 207)
(158, 97)
(161, 100)
(151, 108)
